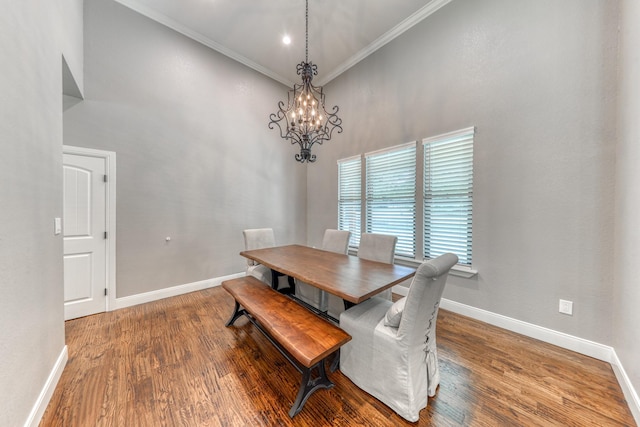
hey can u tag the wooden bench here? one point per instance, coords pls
(304, 338)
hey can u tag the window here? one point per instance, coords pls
(391, 195)
(350, 197)
(438, 222)
(448, 194)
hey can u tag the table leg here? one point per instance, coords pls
(274, 279)
(335, 364)
(292, 284)
(274, 283)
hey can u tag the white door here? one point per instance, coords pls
(85, 244)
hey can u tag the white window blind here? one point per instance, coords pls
(448, 194)
(350, 197)
(391, 195)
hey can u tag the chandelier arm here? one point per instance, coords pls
(288, 135)
(333, 117)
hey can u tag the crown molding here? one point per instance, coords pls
(182, 29)
(396, 31)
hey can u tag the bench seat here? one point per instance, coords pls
(303, 337)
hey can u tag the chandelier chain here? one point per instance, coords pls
(306, 33)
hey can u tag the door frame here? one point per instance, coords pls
(110, 214)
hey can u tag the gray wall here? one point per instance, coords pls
(34, 37)
(538, 80)
(195, 158)
(626, 316)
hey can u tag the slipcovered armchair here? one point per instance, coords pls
(374, 247)
(333, 241)
(392, 354)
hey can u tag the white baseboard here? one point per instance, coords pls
(579, 345)
(630, 393)
(569, 342)
(170, 292)
(47, 391)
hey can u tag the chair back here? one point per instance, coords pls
(377, 247)
(423, 300)
(258, 238)
(336, 241)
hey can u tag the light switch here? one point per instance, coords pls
(57, 226)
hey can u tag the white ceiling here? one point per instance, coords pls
(341, 32)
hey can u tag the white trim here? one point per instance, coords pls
(110, 207)
(348, 159)
(457, 270)
(194, 35)
(391, 149)
(47, 390)
(629, 392)
(470, 131)
(569, 342)
(396, 31)
(171, 292)
(463, 271)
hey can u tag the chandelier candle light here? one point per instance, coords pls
(304, 120)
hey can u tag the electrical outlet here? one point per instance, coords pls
(566, 307)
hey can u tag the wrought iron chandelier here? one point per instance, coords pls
(304, 120)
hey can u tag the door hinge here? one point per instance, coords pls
(105, 291)
(105, 178)
(105, 234)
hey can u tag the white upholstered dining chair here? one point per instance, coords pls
(333, 241)
(336, 241)
(258, 238)
(392, 354)
(374, 247)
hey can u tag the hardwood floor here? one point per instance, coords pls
(174, 363)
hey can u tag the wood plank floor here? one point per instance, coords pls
(174, 363)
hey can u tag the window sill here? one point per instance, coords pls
(456, 270)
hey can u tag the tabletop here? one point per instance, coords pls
(349, 277)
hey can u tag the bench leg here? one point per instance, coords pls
(237, 312)
(308, 386)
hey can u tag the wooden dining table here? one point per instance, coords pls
(351, 278)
